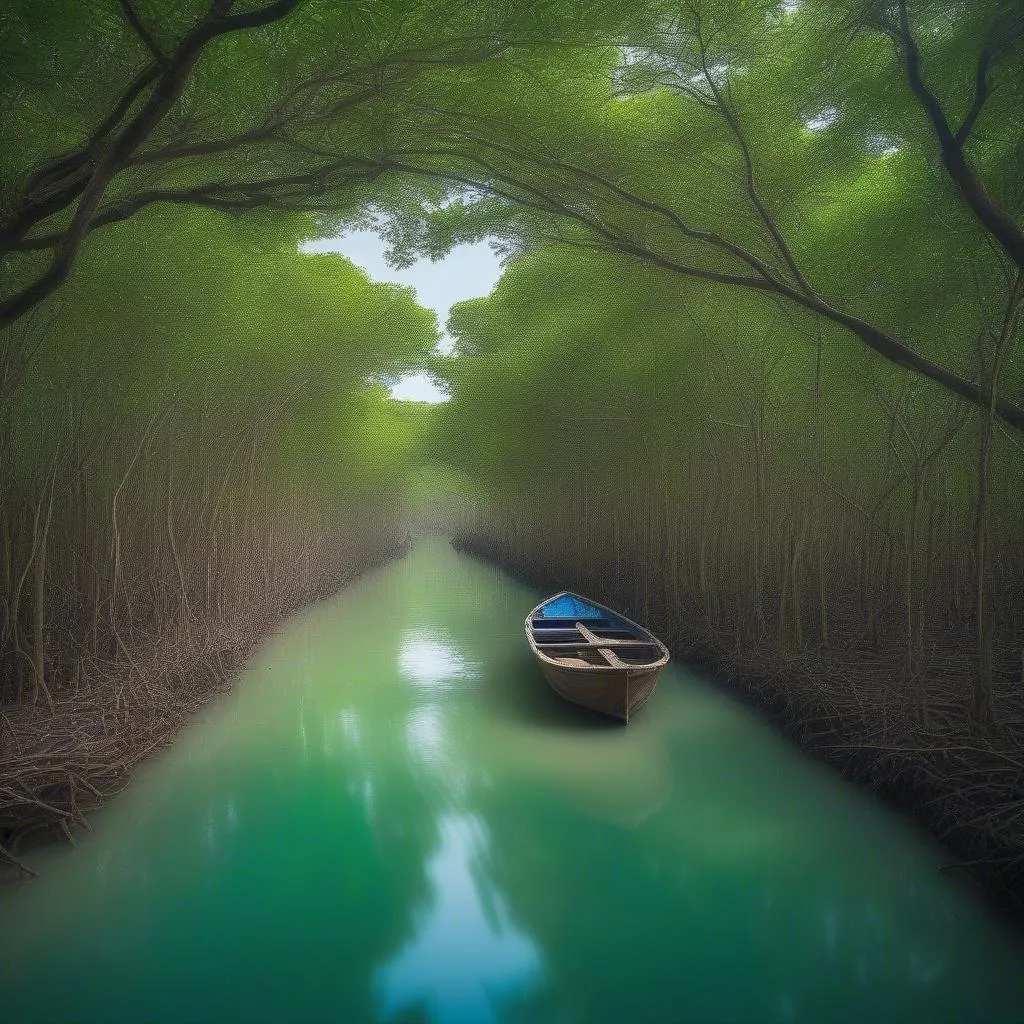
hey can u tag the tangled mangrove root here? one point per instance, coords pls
(56, 767)
(924, 755)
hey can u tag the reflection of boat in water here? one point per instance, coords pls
(594, 656)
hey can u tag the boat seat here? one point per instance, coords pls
(610, 657)
(575, 663)
(563, 623)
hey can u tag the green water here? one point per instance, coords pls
(393, 819)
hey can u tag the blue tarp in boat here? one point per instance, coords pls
(565, 606)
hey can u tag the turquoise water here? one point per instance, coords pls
(392, 819)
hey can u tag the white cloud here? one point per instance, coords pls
(467, 272)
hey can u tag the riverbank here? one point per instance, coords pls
(838, 704)
(57, 766)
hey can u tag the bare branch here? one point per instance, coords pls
(981, 94)
(132, 17)
(729, 115)
(221, 21)
(99, 170)
(57, 184)
(291, 191)
(889, 347)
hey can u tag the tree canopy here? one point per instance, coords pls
(716, 140)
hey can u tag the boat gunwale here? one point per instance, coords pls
(646, 666)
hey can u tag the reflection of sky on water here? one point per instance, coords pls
(430, 660)
(425, 733)
(466, 954)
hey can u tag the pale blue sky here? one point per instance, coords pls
(465, 273)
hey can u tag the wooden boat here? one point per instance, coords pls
(594, 656)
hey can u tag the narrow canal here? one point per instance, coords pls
(393, 819)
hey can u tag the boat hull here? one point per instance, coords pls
(618, 693)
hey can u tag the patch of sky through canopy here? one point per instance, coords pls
(467, 272)
(821, 120)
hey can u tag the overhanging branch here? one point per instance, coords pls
(285, 192)
(880, 341)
